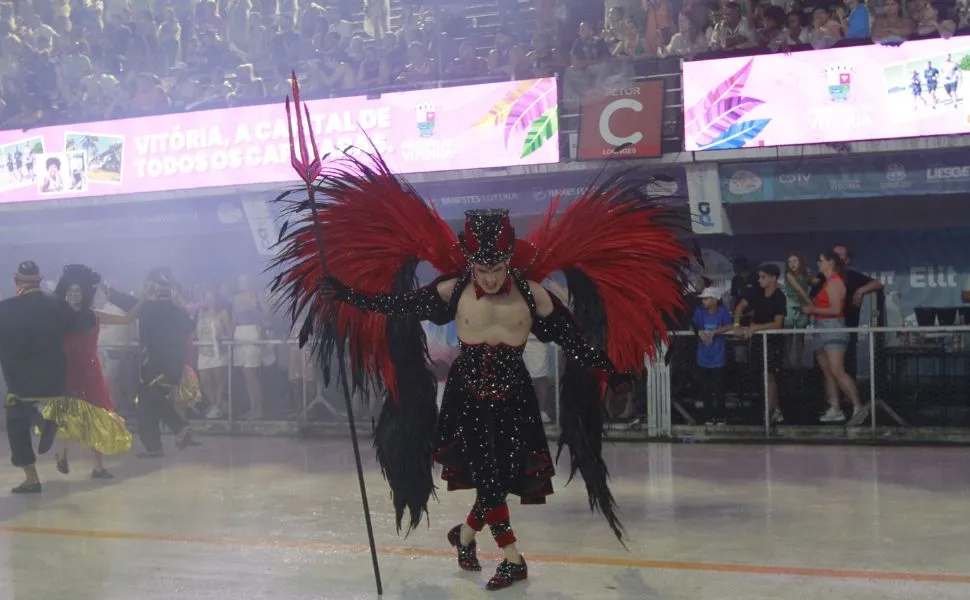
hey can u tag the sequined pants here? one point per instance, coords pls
(490, 445)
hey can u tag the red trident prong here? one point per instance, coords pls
(307, 167)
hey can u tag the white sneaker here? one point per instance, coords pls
(213, 413)
(777, 416)
(546, 419)
(859, 416)
(833, 415)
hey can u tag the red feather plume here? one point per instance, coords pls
(373, 224)
(626, 247)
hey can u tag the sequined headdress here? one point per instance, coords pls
(488, 237)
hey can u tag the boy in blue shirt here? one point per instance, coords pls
(711, 321)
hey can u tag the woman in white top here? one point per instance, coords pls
(212, 327)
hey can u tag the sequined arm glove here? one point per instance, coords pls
(560, 328)
(424, 304)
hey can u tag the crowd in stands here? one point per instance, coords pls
(67, 61)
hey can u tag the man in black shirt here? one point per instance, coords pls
(743, 284)
(857, 286)
(32, 329)
(768, 312)
(163, 328)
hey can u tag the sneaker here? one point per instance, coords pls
(833, 415)
(508, 573)
(859, 416)
(777, 416)
(546, 419)
(214, 413)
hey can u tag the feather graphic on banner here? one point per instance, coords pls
(738, 135)
(500, 111)
(697, 117)
(542, 129)
(721, 117)
(530, 106)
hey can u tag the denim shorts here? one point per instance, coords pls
(824, 340)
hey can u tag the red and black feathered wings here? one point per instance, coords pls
(373, 226)
(619, 251)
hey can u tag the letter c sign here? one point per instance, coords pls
(613, 107)
(622, 123)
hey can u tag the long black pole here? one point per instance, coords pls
(350, 412)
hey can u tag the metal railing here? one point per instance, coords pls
(913, 380)
(916, 381)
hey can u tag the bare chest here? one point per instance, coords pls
(493, 319)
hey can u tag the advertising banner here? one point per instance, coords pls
(177, 218)
(707, 215)
(838, 95)
(470, 127)
(856, 177)
(630, 115)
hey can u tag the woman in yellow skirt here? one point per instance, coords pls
(86, 414)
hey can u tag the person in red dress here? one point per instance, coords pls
(87, 414)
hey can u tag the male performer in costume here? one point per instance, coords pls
(163, 325)
(32, 329)
(621, 267)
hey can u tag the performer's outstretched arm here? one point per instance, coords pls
(429, 303)
(554, 323)
(123, 301)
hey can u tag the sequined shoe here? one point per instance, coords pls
(508, 573)
(467, 555)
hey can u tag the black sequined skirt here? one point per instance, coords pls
(499, 440)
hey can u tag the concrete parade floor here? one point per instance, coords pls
(273, 518)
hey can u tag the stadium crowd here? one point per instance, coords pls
(65, 61)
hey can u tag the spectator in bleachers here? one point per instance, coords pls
(150, 97)
(545, 60)
(632, 45)
(892, 26)
(657, 24)
(795, 32)
(772, 34)
(467, 65)
(249, 89)
(855, 22)
(340, 75)
(613, 29)
(394, 53)
(374, 71)
(733, 32)
(933, 22)
(421, 68)
(169, 38)
(588, 49)
(498, 56)
(355, 51)
(690, 38)
(825, 32)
